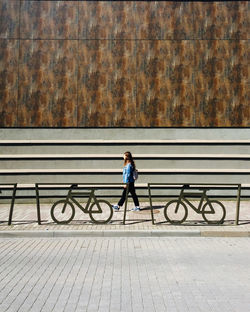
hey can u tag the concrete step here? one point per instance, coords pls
(124, 133)
(114, 176)
(115, 171)
(122, 142)
(168, 178)
(120, 149)
(118, 163)
(118, 156)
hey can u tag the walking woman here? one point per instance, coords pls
(128, 169)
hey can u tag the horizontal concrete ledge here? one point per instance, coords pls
(23, 186)
(225, 233)
(119, 156)
(48, 142)
(122, 233)
(118, 171)
(98, 233)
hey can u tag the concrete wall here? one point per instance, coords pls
(95, 156)
(126, 134)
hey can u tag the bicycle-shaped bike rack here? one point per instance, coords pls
(212, 211)
(63, 211)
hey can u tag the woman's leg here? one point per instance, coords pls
(134, 196)
(122, 200)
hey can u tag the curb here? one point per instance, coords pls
(119, 233)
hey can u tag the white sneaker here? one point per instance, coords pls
(116, 207)
(137, 208)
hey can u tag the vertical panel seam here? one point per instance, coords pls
(136, 69)
(136, 73)
(77, 62)
(18, 65)
(194, 65)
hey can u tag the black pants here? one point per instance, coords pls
(131, 190)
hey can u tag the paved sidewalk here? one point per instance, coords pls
(137, 223)
(125, 274)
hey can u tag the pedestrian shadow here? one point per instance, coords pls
(243, 222)
(153, 207)
(136, 221)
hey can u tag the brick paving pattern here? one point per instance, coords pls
(125, 274)
(25, 218)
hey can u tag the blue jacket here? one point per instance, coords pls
(128, 173)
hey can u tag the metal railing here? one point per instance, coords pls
(150, 187)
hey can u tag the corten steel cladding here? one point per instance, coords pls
(124, 64)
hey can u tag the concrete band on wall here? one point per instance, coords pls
(124, 64)
(86, 153)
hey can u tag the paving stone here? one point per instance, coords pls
(125, 274)
(25, 219)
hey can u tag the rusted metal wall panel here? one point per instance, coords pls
(124, 64)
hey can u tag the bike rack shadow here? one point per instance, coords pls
(89, 222)
(198, 223)
(20, 222)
